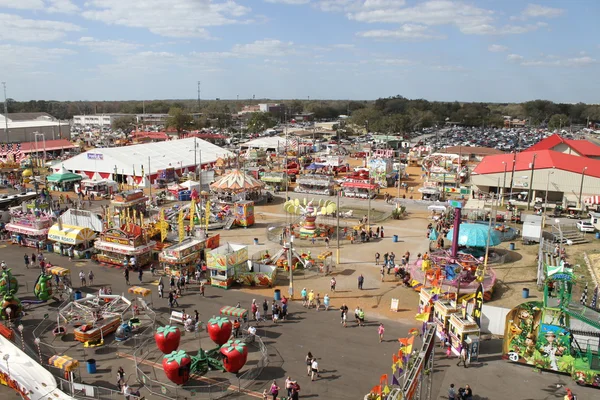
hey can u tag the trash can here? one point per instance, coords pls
(256, 241)
(512, 246)
(525, 293)
(277, 295)
(395, 238)
(78, 295)
(91, 366)
(49, 247)
(87, 255)
(597, 235)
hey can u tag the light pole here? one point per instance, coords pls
(285, 168)
(580, 205)
(6, 113)
(37, 156)
(550, 172)
(512, 175)
(531, 181)
(150, 180)
(503, 184)
(290, 266)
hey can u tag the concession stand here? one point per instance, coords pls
(77, 238)
(63, 181)
(277, 180)
(362, 189)
(117, 245)
(99, 187)
(222, 261)
(129, 201)
(29, 230)
(181, 257)
(315, 184)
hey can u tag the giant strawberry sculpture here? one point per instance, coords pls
(235, 354)
(167, 338)
(177, 366)
(219, 329)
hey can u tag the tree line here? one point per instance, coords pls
(391, 114)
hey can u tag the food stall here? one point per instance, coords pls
(362, 189)
(117, 245)
(129, 201)
(63, 181)
(462, 329)
(77, 237)
(221, 263)
(181, 257)
(99, 187)
(29, 230)
(244, 213)
(442, 310)
(277, 180)
(315, 184)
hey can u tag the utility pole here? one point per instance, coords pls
(503, 185)
(199, 96)
(291, 267)
(150, 180)
(580, 205)
(337, 213)
(6, 114)
(531, 181)
(286, 157)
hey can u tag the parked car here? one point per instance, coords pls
(585, 226)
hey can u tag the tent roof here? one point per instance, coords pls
(128, 159)
(64, 176)
(265, 143)
(237, 180)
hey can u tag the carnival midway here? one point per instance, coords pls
(286, 268)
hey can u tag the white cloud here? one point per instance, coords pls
(566, 62)
(394, 61)
(344, 46)
(497, 48)
(267, 47)
(335, 5)
(539, 11)
(174, 18)
(50, 6)
(113, 47)
(18, 29)
(514, 57)
(290, 2)
(26, 57)
(405, 32)
(448, 68)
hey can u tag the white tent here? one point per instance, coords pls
(151, 157)
(191, 185)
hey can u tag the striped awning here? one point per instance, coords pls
(139, 291)
(65, 363)
(60, 271)
(234, 311)
(592, 200)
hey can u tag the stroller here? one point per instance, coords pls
(462, 394)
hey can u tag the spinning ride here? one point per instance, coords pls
(237, 185)
(308, 227)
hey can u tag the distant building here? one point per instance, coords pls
(272, 108)
(514, 123)
(22, 127)
(106, 120)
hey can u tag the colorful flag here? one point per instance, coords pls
(386, 390)
(423, 317)
(394, 367)
(594, 301)
(413, 331)
(395, 381)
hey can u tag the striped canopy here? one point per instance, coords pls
(65, 363)
(234, 311)
(237, 181)
(592, 200)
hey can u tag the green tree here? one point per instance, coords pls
(260, 122)
(296, 107)
(558, 121)
(125, 123)
(179, 119)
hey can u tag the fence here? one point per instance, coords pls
(213, 389)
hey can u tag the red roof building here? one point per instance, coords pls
(582, 148)
(48, 145)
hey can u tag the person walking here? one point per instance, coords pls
(381, 331)
(332, 284)
(311, 298)
(314, 369)
(326, 302)
(254, 309)
(361, 281)
(288, 386)
(308, 360)
(33, 258)
(274, 390)
(171, 298)
(343, 312)
(161, 288)
(361, 317)
(140, 275)
(91, 278)
(327, 241)
(202, 288)
(26, 258)
(82, 278)
(265, 307)
(382, 273)
(126, 275)
(317, 301)
(377, 257)
(463, 356)
(304, 295)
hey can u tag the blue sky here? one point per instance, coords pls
(484, 50)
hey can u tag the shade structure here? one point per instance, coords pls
(60, 271)
(475, 235)
(70, 234)
(234, 312)
(139, 291)
(65, 363)
(590, 201)
(64, 176)
(237, 181)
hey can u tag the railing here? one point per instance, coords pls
(213, 389)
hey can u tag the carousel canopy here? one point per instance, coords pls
(475, 235)
(237, 181)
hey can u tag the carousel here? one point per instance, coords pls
(236, 186)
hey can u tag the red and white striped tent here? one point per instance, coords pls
(592, 200)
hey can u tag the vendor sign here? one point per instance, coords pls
(70, 234)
